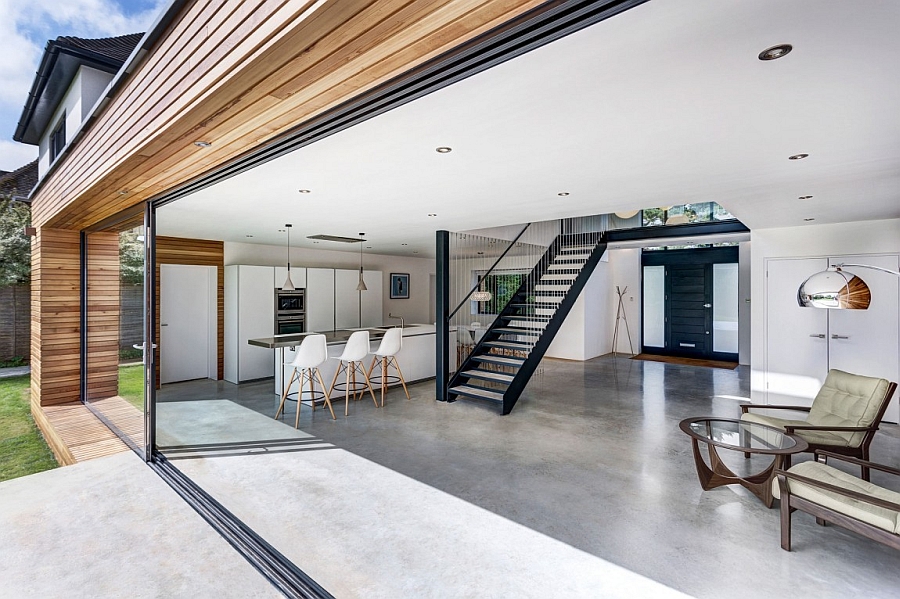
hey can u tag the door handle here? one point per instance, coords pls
(164, 324)
(819, 336)
(840, 336)
(707, 305)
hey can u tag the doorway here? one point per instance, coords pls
(187, 333)
(690, 303)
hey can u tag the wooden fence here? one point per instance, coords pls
(15, 322)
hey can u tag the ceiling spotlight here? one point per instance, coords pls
(123, 192)
(775, 52)
(432, 215)
(415, 252)
(404, 244)
(563, 193)
(808, 219)
(248, 235)
(304, 191)
(798, 156)
(443, 150)
(202, 144)
(805, 198)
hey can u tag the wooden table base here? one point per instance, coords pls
(759, 484)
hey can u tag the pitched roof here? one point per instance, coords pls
(20, 182)
(61, 60)
(117, 48)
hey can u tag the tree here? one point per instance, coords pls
(15, 246)
(131, 257)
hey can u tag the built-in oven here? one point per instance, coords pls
(290, 311)
(290, 324)
(290, 301)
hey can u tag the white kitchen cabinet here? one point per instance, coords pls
(298, 276)
(346, 299)
(802, 344)
(373, 300)
(249, 314)
(319, 299)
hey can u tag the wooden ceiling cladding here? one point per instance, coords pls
(238, 74)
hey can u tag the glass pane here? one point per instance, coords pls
(115, 325)
(725, 308)
(654, 306)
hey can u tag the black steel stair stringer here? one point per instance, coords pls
(523, 375)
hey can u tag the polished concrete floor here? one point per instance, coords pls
(590, 468)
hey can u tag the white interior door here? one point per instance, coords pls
(866, 341)
(184, 317)
(796, 338)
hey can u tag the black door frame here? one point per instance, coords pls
(694, 256)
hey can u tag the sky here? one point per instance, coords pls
(25, 28)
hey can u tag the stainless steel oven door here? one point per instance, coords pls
(290, 302)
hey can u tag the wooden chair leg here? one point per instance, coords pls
(334, 380)
(368, 384)
(299, 398)
(325, 391)
(400, 374)
(284, 393)
(785, 501)
(821, 522)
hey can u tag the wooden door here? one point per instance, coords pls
(688, 310)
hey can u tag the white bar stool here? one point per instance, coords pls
(355, 351)
(387, 354)
(310, 355)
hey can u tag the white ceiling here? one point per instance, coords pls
(664, 104)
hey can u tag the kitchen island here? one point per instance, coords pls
(416, 356)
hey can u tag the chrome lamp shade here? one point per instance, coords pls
(835, 289)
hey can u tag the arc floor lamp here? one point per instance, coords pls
(835, 288)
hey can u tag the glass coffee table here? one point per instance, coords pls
(746, 437)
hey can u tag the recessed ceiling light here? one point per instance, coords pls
(805, 198)
(443, 150)
(282, 230)
(202, 144)
(123, 192)
(368, 247)
(432, 215)
(563, 193)
(404, 244)
(775, 52)
(798, 156)
(248, 235)
(415, 252)
(808, 219)
(305, 191)
(315, 242)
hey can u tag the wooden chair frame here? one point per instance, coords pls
(384, 378)
(305, 373)
(790, 503)
(861, 451)
(351, 387)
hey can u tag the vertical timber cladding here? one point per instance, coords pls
(103, 311)
(198, 252)
(55, 317)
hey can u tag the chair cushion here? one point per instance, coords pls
(883, 518)
(848, 400)
(816, 437)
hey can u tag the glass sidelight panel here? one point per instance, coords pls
(654, 306)
(725, 308)
(114, 374)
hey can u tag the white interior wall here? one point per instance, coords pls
(626, 273)
(864, 237)
(414, 309)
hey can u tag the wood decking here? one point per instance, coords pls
(75, 434)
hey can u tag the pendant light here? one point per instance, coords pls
(288, 284)
(362, 284)
(482, 295)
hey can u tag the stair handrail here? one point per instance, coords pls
(489, 271)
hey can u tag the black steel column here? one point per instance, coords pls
(442, 315)
(150, 315)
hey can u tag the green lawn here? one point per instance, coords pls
(22, 448)
(131, 384)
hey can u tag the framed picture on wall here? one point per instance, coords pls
(399, 285)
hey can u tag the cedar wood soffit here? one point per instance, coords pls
(239, 75)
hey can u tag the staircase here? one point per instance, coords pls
(501, 364)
